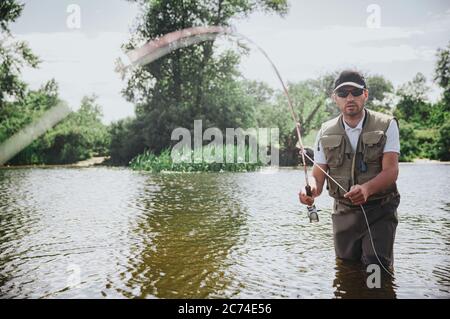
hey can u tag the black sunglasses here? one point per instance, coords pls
(344, 93)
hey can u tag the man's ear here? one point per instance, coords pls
(366, 95)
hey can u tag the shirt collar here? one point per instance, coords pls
(357, 127)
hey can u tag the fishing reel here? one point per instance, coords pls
(311, 210)
(312, 214)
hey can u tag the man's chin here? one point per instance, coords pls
(352, 111)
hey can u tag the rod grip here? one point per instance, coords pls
(308, 190)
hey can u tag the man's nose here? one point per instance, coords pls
(350, 96)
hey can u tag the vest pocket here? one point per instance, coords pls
(373, 146)
(333, 147)
(334, 190)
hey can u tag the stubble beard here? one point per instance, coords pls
(355, 112)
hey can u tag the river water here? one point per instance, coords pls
(116, 233)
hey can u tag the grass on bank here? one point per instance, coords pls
(148, 161)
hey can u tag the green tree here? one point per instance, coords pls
(193, 82)
(442, 74)
(14, 55)
(409, 147)
(126, 142)
(78, 137)
(441, 113)
(309, 100)
(379, 90)
(443, 142)
(413, 105)
(325, 85)
(268, 111)
(413, 111)
(15, 115)
(424, 131)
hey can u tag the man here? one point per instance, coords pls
(360, 150)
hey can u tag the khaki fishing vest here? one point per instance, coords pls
(350, 168)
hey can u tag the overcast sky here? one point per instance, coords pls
(314, 38)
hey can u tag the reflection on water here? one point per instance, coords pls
(351, 283)
(188, 229)
(115, 233)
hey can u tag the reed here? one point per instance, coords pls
(148, 161)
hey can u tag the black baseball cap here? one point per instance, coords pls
(351, 78)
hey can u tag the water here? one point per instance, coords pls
(115, 233)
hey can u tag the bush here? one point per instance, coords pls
(78, 137)
(408, 142)
(443, 143)
(126, 141)
(427, 143)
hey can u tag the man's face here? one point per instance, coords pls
(350, 105)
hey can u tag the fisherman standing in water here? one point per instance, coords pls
(360, 150)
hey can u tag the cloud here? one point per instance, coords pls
(302, 53)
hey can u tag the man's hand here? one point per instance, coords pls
(316, 183)
(308, 200)
(358, 194)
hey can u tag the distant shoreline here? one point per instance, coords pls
(102, 160)
(425, 161)
(93, 161)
